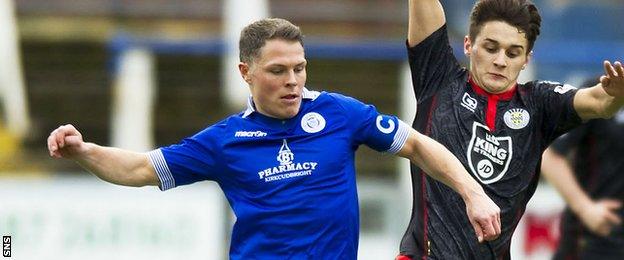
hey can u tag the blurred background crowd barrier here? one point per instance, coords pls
(140, 74)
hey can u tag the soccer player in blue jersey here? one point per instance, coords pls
(496, 127)
(286, 163)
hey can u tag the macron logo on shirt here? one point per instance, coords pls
(250, 134)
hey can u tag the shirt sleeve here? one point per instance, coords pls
(192, 160)
(558, 106)
(383, 133)
(432, 64)
(568, 141)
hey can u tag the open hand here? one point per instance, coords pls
(613, 80)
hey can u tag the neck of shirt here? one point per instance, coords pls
(492, 101)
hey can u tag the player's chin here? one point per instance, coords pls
(496, 87)
(290, 111)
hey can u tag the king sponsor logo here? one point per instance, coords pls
(488, 156)
(287, 168)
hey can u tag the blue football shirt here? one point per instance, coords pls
(290, 183)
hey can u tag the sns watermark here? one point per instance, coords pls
(6, 246)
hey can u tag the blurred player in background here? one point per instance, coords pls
(286, 163)
(496, 127)
(587, 169)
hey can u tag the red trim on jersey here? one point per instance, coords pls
(593, 164)
(402, 257)
(492, 101)
(423, 185)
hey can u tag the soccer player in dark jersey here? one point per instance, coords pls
(496, 127)
(286, 163)
(586, 166)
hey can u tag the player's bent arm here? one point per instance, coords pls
(598, 216)
(439, 163)
(425, 17)
(118, 166)
(558, 172)
(604, 99)
(594, 102)
(110, 164)
(442, 165)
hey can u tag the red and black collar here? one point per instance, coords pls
(492, 101)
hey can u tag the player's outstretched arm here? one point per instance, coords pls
(598, 216)
(442, 165)
(604, 99)
(425, 17)
(110, 164)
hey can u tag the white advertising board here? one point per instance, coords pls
(84, 218)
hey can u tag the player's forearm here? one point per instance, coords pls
(117, 166)
(612, 106)
(439, 163)
(594, 103)
(425, 17)
(558, 172)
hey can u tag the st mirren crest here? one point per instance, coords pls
(285, 156)
(488, 155)
(516, 118)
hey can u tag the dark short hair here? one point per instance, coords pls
(254, 36)
(521, 14)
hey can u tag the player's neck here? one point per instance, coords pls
(504, 95)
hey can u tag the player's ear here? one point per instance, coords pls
(528, 59)
(467, 45)
(243, 68)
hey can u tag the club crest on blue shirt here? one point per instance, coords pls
(312, 122)
(516, 118)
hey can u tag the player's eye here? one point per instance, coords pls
(513, 54)
(491, 49)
